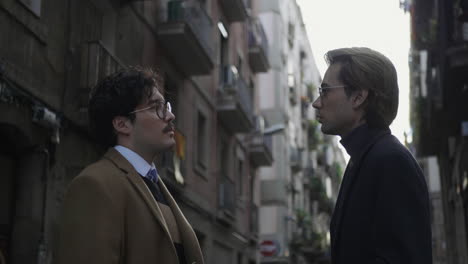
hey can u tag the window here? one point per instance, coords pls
(240, 63)
(249, 4)
(224, 156)
(204, 4)
(170, 93)
(239, 258)
(251, 89)
(251, 185)
(201, 142)
(223, 51)
(109, 30)
(240, 175)
(291, 34)
(33, 5)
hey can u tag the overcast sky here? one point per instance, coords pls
(378, 24)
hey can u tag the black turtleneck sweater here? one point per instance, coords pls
(382, 212)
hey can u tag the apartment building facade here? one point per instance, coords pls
(295, 204)
(208, 54)
(439, 117)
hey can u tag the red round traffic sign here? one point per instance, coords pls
(269, 248)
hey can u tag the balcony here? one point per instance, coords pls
(234, 105)
(260, 149)
(295, 160)
(96, 63)
(186, 36)
(227, 206)
(235, 10)
(258, 47)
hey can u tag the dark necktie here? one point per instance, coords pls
(152, 175)
(151, 181)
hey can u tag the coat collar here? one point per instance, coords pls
(140, 164)
(359, 140)
(137, 182)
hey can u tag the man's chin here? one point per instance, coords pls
(324, 129)
(165, 147)
(327, 131)
(170, 145)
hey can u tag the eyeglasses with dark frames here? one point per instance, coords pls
(323, 90)
(160, 108)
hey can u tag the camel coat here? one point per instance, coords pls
(110, 216)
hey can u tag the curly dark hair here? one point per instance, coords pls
(117, 95)
(363, 68)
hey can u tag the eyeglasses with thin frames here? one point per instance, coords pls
(323, 90)
(161, 109)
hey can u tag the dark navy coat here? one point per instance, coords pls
(382, 214)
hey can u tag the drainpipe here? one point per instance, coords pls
(43, 246)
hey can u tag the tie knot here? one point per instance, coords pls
(152, 175)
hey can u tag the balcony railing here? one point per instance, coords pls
(235, 105)
(258, 47)
(187, 36)
(97, 62)
(260, 149)
(235, 10)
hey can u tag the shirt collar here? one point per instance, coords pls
(140, 165)
(355, 141)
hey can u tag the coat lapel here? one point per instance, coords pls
(339, 201)
(189, 239)
(137, 182)
(351, 173)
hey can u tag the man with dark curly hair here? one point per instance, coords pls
(382, 211)
(118, 210)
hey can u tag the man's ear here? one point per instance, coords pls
(359, 98)
(122, 125)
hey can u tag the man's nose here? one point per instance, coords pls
(317, 103)
(170, 116)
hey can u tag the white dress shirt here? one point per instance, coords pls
(140, 164)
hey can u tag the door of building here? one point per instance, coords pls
(7, 204)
